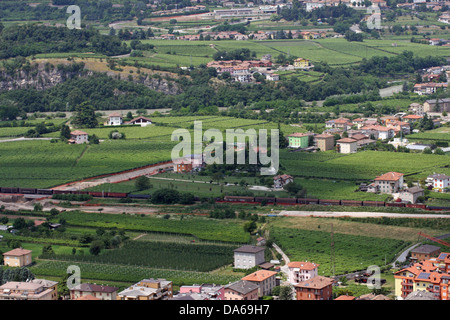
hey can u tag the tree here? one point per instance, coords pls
(96, 247)
(285, 293)
(142, 183)
(85, 116)
(65, 132)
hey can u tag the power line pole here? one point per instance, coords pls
(332, 251)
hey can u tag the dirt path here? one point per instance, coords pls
(129, 175)
(331, 214)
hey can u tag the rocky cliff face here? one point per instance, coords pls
(44, 76)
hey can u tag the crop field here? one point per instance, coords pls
(364, 165)
(201, 228)
(440, 134)
(161, 255)
(352, 252)
(130, 274)
(335, 51)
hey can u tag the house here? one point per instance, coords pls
(114, 119)
(421, 295)
(183, 166)
(37, 289)
(100, 292)
(299, 140)
(424, 252)
(346, 145)
(317, 288)
(248, 256)
(341, 123)
(411, 118)
(390, 182)
(18, 257)
(242, 290)
(270, 76)
(437, 105)
(211, 291)
(411, 194)
(148, 289)
(416, 108)
(361, 140)
(78, 137)
(324, 141)
(281, 180)
(400, 127)
(425, 276)
(301, 63)
(265, 279)
(301, 271)
(142, 121)
(428, 87)
(441, 182)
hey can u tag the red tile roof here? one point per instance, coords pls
(303, 265)
(390, 176)
(17, 252)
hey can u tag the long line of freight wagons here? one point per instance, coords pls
(234, 199)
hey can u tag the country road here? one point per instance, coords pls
(115, 178)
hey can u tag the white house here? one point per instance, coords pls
(115, 119)
(441, 182)
(411, 194)
(248, 256)
(78, 137)
(143, 121)
(347, 145)
(301, 271)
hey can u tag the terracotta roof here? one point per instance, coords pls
(346, 140)
(115, 114)
(259, 275)
(412, 116)
(303, 265)
(17, 252)
(77, 133)
(390, 176)
(324, 136)
(298, 134)
(345, 297)
(318, 282)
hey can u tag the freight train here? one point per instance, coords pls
(232, 199)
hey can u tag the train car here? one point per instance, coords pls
(98, 194)
(80, 192)
(10, 190)
(44, 191)
(116, 194)
(27, 190)
(138, 196)
(330, 202)
(286, 200)
(416, 205)
(62, 191)
(438, 208)
(351, 203)
(307, 201)
(238, 199)
(266, 199)
(369, 203)
(395, 204)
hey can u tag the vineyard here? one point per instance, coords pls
(131, 274)
(352, 252)
(160, 255)
(201, 228)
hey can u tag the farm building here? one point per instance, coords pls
(142, 121)
(114, 119)
(390, 182)
(346, 145)
(18, 257)
(248, 256)
(78, 137)
(281, 180)
(324, 142)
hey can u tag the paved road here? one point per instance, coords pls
(331, 214)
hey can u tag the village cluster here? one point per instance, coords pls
(426, 278)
